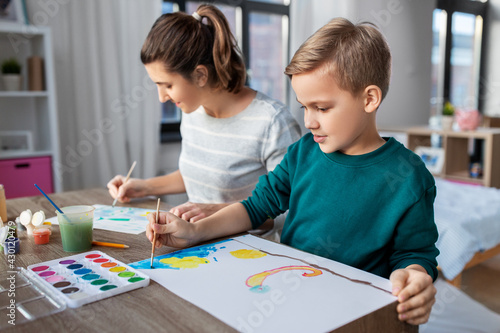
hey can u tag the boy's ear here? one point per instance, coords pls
(372, 98)
(200, 75)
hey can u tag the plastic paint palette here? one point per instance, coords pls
(87, 277)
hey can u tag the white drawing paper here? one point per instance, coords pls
(128, 220)
(255, 285)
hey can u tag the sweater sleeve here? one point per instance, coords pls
(416, 235)
(282, 132)
(270, 197)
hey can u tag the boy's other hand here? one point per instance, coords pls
(415, 292)
(193, 212)
(170, 230)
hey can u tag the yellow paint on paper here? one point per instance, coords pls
(186, 262)
(248, 254)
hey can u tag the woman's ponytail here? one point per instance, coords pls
(183, 41)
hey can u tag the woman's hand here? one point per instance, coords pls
(133, 188)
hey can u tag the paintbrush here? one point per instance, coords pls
(126, 179)
(154, 233)
(53, 203)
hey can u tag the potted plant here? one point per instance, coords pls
(11, 74)
(447, 117)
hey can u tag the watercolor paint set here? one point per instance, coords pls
(46, 288)
(88, 277)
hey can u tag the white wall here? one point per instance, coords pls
(407, 26)
(491, 81)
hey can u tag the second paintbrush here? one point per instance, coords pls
(154, 233)
(126, 179)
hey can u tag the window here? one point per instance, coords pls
(261, 29)
(457, 54)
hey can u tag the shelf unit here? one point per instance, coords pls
(456, 153)
(33, 111)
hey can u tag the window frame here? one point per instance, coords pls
(171, 131)
(470, 7)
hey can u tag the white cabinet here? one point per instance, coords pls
(25, 111)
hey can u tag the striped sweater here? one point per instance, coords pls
(222, 158)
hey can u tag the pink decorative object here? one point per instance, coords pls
(468, 120)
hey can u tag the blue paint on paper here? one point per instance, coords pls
(202, 251)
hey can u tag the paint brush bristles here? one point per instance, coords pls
(154, 233)
(126, 179)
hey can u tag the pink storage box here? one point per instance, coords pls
(20, 174)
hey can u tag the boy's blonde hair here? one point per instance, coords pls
(355, 55)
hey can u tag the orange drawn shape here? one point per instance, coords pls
(256, 280)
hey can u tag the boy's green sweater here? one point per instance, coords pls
(372, 211)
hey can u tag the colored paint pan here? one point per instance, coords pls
(62, 284)
(54, 278)
(109, 264)
(83, 271)
(108, 287)
(47, 273)
(92, 256)
(126, 274)
(117, 269)
(40, 268)
(66, 262)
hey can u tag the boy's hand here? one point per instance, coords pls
(193, 212)
(415, 292)
(170, 230)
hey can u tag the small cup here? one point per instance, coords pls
(41, 235)
(76, 227)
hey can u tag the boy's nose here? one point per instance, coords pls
(309, 121)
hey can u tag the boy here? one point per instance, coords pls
(352, 196)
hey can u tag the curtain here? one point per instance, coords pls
(108, 109)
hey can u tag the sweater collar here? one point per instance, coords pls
(381, 153)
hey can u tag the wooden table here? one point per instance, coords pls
(152, 308)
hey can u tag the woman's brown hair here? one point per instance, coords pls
(182, 42)
(355, 55)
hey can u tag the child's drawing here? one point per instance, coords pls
(302, 292)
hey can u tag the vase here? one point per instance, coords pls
(12, 82)
(447, 123)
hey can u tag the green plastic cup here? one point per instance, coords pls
(76, 227)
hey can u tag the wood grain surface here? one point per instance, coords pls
(150, 309)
